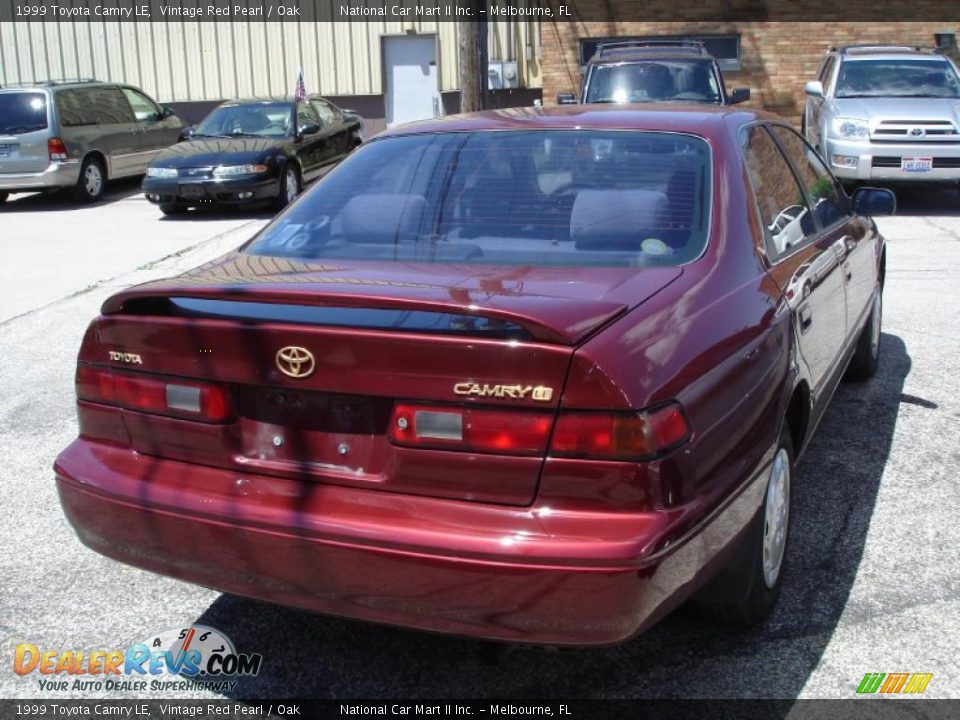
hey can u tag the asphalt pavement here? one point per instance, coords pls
(872, 574)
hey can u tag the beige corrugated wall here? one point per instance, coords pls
(176, 61)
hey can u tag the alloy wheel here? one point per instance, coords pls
(776, 517)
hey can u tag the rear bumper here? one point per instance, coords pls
(868, 156)
(225, 192)
(56, 175)
(498, 572)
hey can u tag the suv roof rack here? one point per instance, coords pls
(856, 49)
(676, 44)
(51, 83)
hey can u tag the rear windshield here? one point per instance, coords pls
(654, 81)
(565, 197)
(22, 112)
(897, 78)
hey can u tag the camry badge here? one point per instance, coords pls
(295, 361)
(541, 393)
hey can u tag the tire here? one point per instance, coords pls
(172, 208)
(866, 358)
(92, 181)
(746, 591)
(289, 187)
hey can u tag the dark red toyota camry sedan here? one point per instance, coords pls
(532, 375)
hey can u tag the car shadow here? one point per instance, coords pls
(61, 200)
(930, 201)
(836, 484)
(220, 212)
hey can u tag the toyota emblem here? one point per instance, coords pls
(295, 361)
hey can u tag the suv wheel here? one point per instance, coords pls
(92, 181)
(749, 587)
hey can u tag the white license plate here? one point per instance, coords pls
(6, 150)
(916, 164)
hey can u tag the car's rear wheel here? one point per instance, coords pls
(289, 187)
(172, 208)
(866, 358)
(746, 591)
(92, 181)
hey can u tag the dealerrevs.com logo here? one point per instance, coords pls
(198, 656)
(894, 683)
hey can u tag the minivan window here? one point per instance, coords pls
(22, 112)
(109, 105)
(144, 109)
(570, 198)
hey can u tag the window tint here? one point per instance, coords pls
(783, 208)
(325, 110)
(144, 109)
(574, 198)
(22, 112)
(108, 105)
(74, 108)
(828, 204)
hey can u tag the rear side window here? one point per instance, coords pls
(74, 108)
(829, 206)
(783, 207)
(574, 198)
(22, 112)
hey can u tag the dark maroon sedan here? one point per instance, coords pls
(532, 375)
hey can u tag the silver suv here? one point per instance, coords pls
(885, 113)
(77, 135)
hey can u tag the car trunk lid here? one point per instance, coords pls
(378, 335)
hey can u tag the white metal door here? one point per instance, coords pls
(410, 64)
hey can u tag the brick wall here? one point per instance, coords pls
(777, 58)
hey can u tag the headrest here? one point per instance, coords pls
(615, 217)
(382, 218)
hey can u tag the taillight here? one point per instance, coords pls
(473, 429)
(619, 436)
(56, 149)
(192, 399)
(600, 435)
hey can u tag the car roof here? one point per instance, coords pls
(706, 120)
(57, 84)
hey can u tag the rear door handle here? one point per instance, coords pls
(806, 318)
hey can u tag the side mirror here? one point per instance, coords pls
(187, 132)
(166, 112)
(739, 95)
(308, 129)
(874, 201)
(566, 99)
(814, 88)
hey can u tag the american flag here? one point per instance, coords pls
(301, 92)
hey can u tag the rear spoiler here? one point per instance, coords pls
(547, 319)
